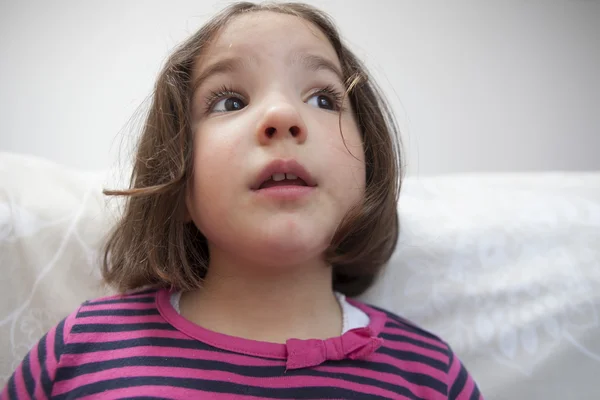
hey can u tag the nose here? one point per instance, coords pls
(279, 121)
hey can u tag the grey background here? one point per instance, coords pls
(511, 85)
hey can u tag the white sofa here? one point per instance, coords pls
(506, 268)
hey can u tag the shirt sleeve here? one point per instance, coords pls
(461, 385)
(34, 377)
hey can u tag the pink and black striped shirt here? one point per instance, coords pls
(137, 346)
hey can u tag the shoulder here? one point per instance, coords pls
(110, 314)
(398, 328)
(141, 302)
(405, 341)
(139, 296)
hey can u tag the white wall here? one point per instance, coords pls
(504, 85)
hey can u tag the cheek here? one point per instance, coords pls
(215, 147)
(348, 158)
(218, 151)
(344, 166)
(217, 162)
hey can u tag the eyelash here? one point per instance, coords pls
(224, 91)
(334, 94)
(214, 96)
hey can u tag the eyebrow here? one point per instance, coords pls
(312, 62)
(316, 63)
(230, 64)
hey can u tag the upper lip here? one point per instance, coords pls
(283, 167)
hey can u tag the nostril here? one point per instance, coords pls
(270, 132)
(295, 131)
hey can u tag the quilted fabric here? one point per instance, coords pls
(506, 268)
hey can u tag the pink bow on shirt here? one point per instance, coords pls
(355, 344)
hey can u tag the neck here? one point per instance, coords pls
(240, 298)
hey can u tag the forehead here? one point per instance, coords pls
(269, 33)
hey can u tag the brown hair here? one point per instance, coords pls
(152, 244)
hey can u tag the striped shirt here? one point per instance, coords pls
(138, 346)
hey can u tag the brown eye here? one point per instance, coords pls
(321, 101)
(227, 104)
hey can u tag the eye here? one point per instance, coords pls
(321, 101)
(230, 103)
(327, 98)
(223, 100)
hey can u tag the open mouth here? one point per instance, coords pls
(283, 173)
(281, 179)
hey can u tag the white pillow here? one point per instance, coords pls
(52, 222)
(506, 268)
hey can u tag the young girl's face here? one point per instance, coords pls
(268, 102)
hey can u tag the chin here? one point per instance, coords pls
(289, 253)
(290, 244)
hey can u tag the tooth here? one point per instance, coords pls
(291, 176)
(278, 177)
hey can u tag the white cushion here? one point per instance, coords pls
(506, 268)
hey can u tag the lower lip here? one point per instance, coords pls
(288, 193)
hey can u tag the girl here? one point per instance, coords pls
(264, 191)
